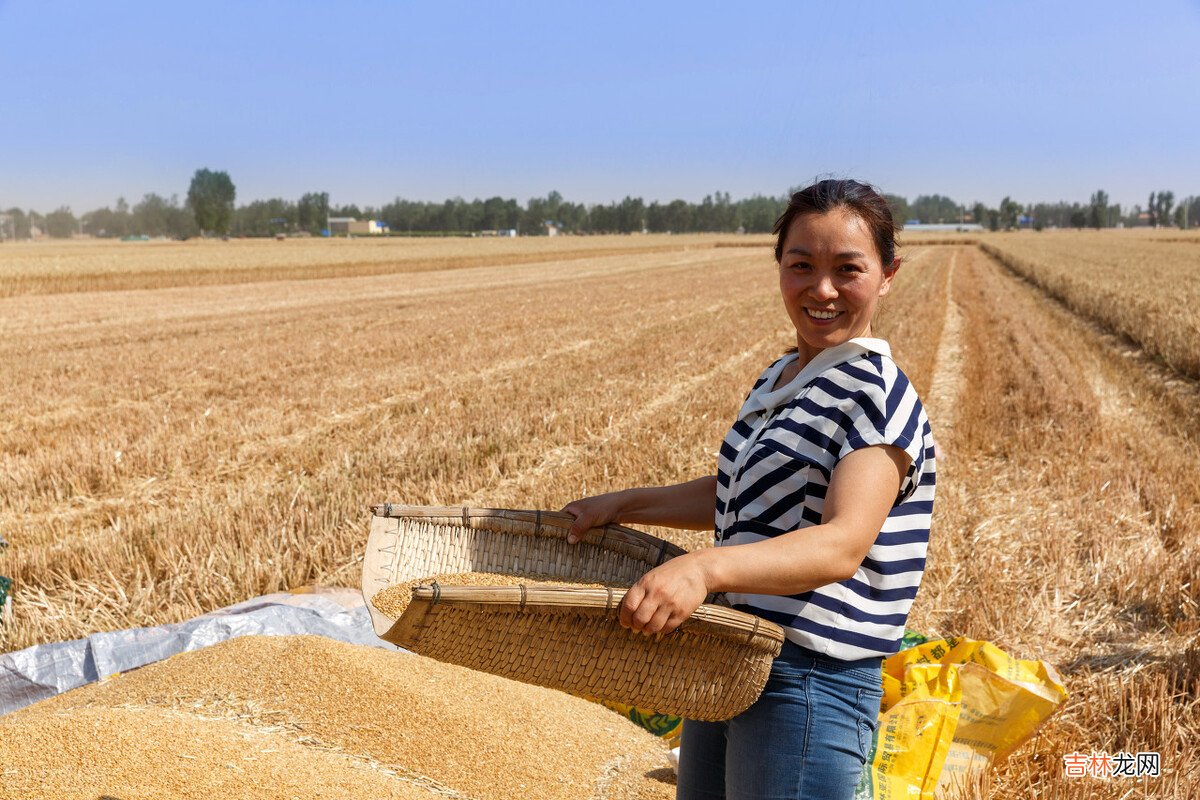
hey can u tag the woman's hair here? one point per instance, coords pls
(859, 198)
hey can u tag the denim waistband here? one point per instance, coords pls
(793, 653)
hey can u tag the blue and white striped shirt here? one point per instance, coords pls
(773, 470)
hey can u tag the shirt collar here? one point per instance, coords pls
(763, 399)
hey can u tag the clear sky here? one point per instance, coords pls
(376, 100)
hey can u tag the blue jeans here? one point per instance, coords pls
(807, 735)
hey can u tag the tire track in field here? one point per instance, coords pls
(1149, 408)
(122, 317)
(507, 367)
(517, 485)
(947, 384)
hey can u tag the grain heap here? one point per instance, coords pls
(271, 717)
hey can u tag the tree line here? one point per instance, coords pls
(209, 208)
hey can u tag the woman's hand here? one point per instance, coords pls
(592, 512)
(687, 505)
(666, 595)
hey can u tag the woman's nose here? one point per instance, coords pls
(823, 289)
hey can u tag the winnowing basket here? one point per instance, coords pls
(712, 667)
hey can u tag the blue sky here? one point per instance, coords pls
(374, 100)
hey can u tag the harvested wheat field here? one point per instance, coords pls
(174, 444)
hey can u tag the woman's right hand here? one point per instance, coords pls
(593, 512)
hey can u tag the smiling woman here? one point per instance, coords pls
(821, 503)
(834, 266)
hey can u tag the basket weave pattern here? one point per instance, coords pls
(436, 546)
(712, 667)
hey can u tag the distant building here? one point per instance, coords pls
(351, 225)
(942, 226)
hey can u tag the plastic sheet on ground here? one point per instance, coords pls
(45, 670)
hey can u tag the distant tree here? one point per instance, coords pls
(105, 223)
(18, 225)
(979, 213)
(899, 207)
(1010, 212)
(758, 214)
(1166, 200)
(573, 216)
(679, 216)
(312, 211)
(180, 223)
(499, 214)
(935, 208)
(1098, 209)
(993, 219)
(1079, 218)
(210, 197)
(151, 216)
(1191, 212)
(631, 215)
(603, 219)
(350, 210)
(266, 217)
(61, 223)
(1152, 209)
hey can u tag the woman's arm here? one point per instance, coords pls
(688, 505)
(861, 492)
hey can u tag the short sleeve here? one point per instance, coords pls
(889, 414)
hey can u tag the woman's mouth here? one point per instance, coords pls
(822, 315)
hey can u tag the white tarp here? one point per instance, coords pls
(45, 670)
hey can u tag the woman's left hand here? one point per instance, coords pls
(665, 596)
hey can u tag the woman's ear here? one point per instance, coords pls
(888, 274)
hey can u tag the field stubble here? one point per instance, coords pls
(1142, 288)
(170, 451)
(1063, 490)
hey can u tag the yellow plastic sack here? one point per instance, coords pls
(950, 707)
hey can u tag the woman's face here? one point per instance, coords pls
(831, 279)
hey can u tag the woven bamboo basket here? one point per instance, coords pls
(712, 667)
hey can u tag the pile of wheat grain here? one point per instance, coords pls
(271, 717)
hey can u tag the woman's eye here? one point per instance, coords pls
(801, 265)
(851, 268)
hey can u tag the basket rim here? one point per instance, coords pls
(540, 519)
(708, 618)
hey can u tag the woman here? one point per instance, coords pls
(822, 504)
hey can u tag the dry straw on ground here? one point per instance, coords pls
(1120, 281)
(170, 451)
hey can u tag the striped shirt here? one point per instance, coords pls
(773, 470)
